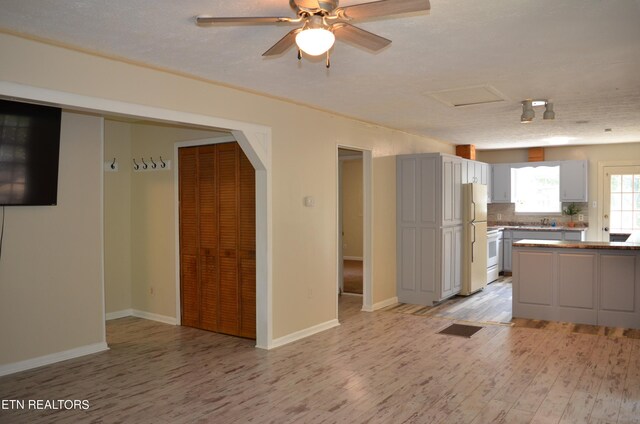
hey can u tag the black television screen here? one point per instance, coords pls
(29, 153)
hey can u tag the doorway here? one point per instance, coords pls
(621, 202)
(354, 228)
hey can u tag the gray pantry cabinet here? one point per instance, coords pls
(429, 224)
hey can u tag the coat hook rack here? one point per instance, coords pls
(151, 165)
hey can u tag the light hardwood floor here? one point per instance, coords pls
(375, 368)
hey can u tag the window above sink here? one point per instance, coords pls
(536, 189)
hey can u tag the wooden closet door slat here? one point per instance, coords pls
(189, 284)
(208, 233)
(229, 305)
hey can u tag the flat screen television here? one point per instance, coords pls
(29, 154)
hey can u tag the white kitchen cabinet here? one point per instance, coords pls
(507, 244)
(429, 230)
(574, 181)
(501, 183)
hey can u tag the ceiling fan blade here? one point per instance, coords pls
(205, 20)
(284, 44)
(384, 8)
(346, 32)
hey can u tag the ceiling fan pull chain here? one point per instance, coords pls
(328, 60)
(299, 54)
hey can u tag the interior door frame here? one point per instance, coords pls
(601, 191)
(367, 222)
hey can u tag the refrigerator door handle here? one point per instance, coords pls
(473, 241)
(474, 209)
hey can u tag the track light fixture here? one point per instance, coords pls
(528, 113)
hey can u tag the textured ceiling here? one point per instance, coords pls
(582, 54)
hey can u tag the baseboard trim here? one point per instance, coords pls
(352, 258)
(52, 358)
(119, 314)
(154, 317)
(380, 305)
(289, 338)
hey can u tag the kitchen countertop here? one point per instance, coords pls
(534, 228)
(557, 244)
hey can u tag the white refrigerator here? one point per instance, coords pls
(474, 257)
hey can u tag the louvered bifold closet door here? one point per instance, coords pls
(217, 213)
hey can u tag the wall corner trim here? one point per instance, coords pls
(119, 314)
(154, 317)
(289, 338)
(380, 305)
(52, 358)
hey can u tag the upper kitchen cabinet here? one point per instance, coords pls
(501, 183)
(477, 172)
(573, 181)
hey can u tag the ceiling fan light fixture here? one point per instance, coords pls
(315, 41)
(527, 112)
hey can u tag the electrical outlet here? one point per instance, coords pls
(499, 217)
(595, 204)
(580, 217)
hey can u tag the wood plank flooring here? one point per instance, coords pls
(352, 276)
(375, 368)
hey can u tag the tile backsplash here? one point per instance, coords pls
(508, 215)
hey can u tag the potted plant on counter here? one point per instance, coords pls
(572, 209)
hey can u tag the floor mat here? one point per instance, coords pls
(460, 330)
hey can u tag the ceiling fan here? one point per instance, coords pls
(323, 21)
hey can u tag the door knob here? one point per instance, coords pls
(606, 228)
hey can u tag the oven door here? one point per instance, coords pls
(492, 250)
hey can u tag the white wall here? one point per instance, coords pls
(117, 217)
(303, 163)
(352, 216)
(51, 267)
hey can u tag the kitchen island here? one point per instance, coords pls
(577, 281)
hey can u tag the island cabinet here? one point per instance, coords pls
(429, 227)
(579, 285)
(511, 236)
